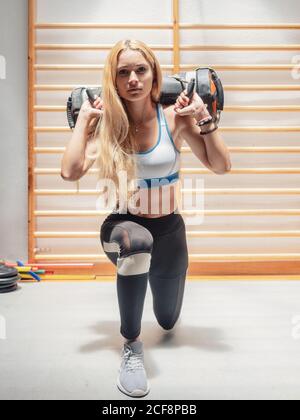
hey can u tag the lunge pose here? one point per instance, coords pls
(144, 236)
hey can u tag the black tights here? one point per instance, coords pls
(143, 248)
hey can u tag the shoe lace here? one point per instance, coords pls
(133, 361)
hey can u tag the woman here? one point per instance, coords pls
(138, 137)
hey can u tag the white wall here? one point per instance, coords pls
(13, 129)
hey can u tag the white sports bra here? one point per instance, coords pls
(159, 165)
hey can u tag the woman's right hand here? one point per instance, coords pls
(90, 114)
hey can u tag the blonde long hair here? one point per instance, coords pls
(114, 138)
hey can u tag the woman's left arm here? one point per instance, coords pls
(211, 145)
(216, 149)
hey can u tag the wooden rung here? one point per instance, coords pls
(81, 67)
(192, 257)
(185, 67)
(104, 47)
(200, 171)
(258, 129)
(242, 26)
(250, 212)
(207, 191)
(245, 149)
(112, 278)
(185, 26)
(56, 150)
(244, 191)
(49, 150)
(261, 87)
(53, 87)
(242, 67)
(236, 277)
(232, 108)
(65, 192)
(70, 277)
(190, 234)
(226, 87)
(241, 47)
(102, 26)
(263, 108)
(235, 171)
(49, 108)
(88, 47)
(254, 129)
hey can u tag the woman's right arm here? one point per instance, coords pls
(73, 160)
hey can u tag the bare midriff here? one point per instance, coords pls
(163, 200)
(152, 203)
(157, 202)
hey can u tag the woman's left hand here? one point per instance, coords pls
(194, 108)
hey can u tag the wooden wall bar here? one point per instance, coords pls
(235, 263)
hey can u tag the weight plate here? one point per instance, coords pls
(6, 272)
(9, 280)
(3, 286)
(9, 289)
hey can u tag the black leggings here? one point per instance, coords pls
(143, 248)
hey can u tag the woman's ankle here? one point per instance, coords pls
(132, 340)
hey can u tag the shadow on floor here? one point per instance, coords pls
(154, 337)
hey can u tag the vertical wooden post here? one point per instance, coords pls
(31, 124)
(176, 69)
(176, 37)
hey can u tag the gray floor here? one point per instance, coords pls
(235, 340)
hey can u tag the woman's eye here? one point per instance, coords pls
(140, 70)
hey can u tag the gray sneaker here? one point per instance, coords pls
(132, 379)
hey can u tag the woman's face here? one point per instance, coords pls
(133, 72)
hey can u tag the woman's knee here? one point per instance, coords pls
(132, 238)
(135, 248)
(168, 321)
(167, 300)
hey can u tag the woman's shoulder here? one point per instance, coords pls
(175, 124)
